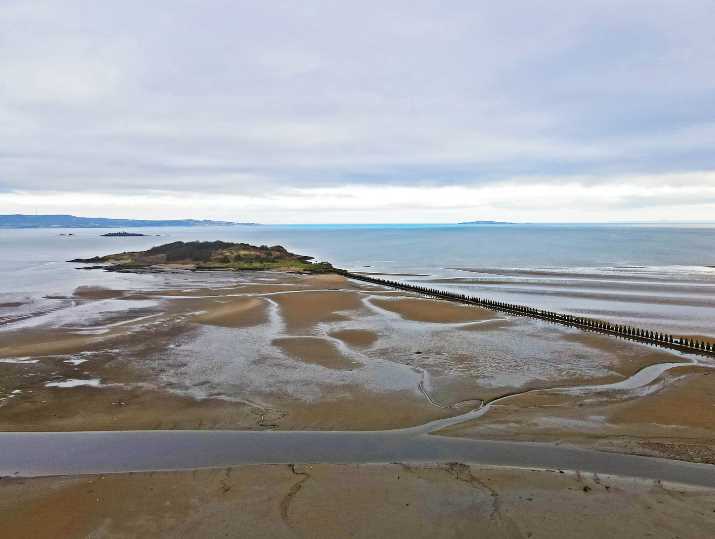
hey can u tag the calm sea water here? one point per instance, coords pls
(655, 276)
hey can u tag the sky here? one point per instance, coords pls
(359, 112)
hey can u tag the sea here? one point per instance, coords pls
(652, 276)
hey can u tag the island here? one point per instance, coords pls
(122, 234)
(208, 255)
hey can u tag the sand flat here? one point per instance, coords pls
(314, 350)
(360, 338)
(673, 417)
(116, 407)
(627, 356)
(45, 342)
(301, 311)
(435, 311)
(96, 292)
(354, 407)
(235, 312)
(687, 402)
(328, 280)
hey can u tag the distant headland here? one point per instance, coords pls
(208, 255)
(72, 221)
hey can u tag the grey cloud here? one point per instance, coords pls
(239, 97)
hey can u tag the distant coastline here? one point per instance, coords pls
(72, 221)
(486, 223)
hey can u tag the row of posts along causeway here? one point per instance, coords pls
(656, 338)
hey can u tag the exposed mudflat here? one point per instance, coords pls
(318, 352)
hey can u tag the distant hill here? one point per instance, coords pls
(71, 221)
(485, 223)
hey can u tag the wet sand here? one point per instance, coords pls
(41, 343)
(356, 337)
(315, 350)
(436, 311)
(270, 351)
(138, 375)
(96, 292)
(355, 408)
(284, 351)
(303, 310)
(394, 500)
(235, 312)
(112, 408)
(672, 417)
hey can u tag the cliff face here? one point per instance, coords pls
(212, 255)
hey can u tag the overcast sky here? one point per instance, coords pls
(337, 111)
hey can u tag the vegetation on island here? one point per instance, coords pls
(210, 255)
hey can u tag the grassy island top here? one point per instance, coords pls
(207, 255)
